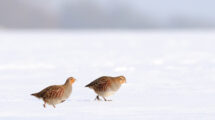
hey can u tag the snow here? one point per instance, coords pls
(170, 74)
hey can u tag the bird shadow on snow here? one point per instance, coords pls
(80, 100)
(86, 100)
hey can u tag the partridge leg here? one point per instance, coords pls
(97, 98)
(44, 105)
(106, 99)
(53, 105)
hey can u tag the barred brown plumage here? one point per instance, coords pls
(106, 85)
(56, 93)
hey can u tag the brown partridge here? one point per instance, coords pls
(106, 86)
(56, 94)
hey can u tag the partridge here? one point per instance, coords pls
(106, 86)
(56, 94)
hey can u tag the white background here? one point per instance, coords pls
(170, 75)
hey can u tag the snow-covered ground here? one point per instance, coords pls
(170, 74)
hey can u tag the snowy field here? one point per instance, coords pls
(170, 74)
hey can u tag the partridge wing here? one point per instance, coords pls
(101, 84)
(53, 92)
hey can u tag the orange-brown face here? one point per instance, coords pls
(72, 80)
(122, 79)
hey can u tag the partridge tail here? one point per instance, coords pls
(88, 85)
(36, 95)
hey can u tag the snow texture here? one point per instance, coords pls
(170, 74)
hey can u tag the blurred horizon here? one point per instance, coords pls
(107, 14)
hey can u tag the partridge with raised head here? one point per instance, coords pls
(106, 86)
(56, 94)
